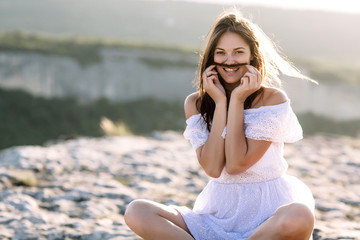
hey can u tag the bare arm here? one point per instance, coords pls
(211, 155)
(241, 152)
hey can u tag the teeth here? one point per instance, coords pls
(230, 69)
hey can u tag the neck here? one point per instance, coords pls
(229, 87)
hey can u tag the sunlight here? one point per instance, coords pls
(347, 6)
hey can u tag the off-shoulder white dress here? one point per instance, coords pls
(233, 206)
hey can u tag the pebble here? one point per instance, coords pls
(79, 189)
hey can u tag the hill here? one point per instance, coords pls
(300, 33)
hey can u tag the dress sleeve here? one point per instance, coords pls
(196, 131)
(277, 123)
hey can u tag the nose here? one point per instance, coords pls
(230, 59)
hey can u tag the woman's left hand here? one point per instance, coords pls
(249, 83)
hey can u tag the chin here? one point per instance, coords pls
(231, 84)
(232, 81)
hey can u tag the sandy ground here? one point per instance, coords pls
(79, 189)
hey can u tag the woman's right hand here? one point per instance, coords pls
(212, 85)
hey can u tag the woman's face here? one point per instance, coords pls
(232, 49)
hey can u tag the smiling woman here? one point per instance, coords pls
(237, 44)
(233, 50)
(237, 124)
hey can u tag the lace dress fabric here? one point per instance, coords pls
(233, 206)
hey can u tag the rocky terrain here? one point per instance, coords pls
(79, 189)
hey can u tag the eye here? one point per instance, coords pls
(219, 53)
(239, 52)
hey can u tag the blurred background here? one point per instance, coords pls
(119, 67)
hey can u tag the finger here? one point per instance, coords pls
(249, 68)
(205, 82)
(213, 80)
(204, 75)
(207, 74)
(258, 75)
(256, 71)
(245, 81)
(211, 73)
(257, 79)
(252, 69)
(251, 77)
(210, 68)
(249, 74)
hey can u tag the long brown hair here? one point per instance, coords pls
(264, 57)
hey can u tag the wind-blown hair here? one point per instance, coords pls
(264, 57)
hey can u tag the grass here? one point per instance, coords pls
(34, 120)
(114, 129)
(87, 51)
(29, 120)
(126, 181)
(313, 124)
(84, 50)
(331, 71)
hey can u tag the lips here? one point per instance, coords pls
(230, 69)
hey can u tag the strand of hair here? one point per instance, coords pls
(230, 65)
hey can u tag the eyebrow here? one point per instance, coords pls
(234, 48)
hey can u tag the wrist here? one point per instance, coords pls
(221, 101)
(238, 98)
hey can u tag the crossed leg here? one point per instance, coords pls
(294, 221)
(151, 220)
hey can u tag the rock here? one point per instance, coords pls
(350, 202)
(79, 189)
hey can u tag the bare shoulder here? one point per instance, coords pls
(274, 96)
(190, 105)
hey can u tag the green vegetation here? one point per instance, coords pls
(34, 120)
(331, 71)
(28, 120)
(84, 50)
(162, 63)
(312, 124)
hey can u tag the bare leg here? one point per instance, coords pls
(151, 220)
(291, 222)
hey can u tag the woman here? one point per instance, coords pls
(237, 122)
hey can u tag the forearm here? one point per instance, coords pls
(212, 155)
(235, 143)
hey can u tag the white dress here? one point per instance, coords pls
(233, 206)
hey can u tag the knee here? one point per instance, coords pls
(296, 220)
(136, 214)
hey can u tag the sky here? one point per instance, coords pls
(346, 6)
